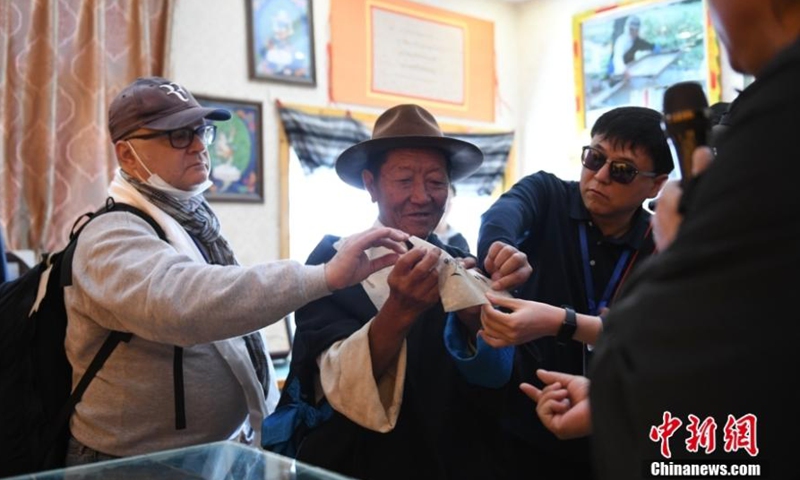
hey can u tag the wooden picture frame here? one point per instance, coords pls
(236, 154)
(618, 63)
(387, 52)
(280, 40)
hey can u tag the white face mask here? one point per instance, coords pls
(155, 181)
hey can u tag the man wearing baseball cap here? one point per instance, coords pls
(196, 369)
(384, 383)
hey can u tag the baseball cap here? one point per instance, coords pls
(158, 104)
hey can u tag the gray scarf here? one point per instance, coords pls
(197, 218)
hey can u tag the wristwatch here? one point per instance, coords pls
(568, 328)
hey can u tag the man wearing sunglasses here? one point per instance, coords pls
(582, 239)
(194, 314)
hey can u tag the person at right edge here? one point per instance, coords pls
(705, 334)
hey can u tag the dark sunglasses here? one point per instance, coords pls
(183, 137)
(619, 171)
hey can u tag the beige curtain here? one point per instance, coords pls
(61, 63)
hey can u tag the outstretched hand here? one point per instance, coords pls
(563, 405)
(351, 265)
(525, 321)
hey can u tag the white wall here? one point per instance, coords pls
(535, 71)
(209, 56)
(548, 132)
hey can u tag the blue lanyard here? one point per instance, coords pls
(594, 308)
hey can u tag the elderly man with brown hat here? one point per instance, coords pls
(384, 382)
(193, 312)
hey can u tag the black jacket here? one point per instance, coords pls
(709, 327)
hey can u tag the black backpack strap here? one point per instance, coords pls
(112, 206)
(177, 361)
(77, 228)
(115, 337)
(99, 359)
(177, 376)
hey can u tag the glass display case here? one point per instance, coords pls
(213, 461)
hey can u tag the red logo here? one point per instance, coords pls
(741, 434)
(702, 434)
(738, 434)
(664, 431)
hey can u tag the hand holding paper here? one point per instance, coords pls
(508, 267)
(459, 287)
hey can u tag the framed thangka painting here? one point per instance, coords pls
(236, 159)
(629, 53)
(281, 40)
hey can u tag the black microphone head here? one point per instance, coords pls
(686, 122)
(684, 96)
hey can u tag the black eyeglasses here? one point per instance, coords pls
(183, 137)
(619, 171)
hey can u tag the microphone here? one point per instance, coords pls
(687, 122)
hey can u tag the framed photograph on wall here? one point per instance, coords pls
(236, 158)
(628, 54)
(281, 41)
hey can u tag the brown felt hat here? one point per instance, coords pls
(407, 126)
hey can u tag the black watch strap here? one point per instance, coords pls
(568, 328)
